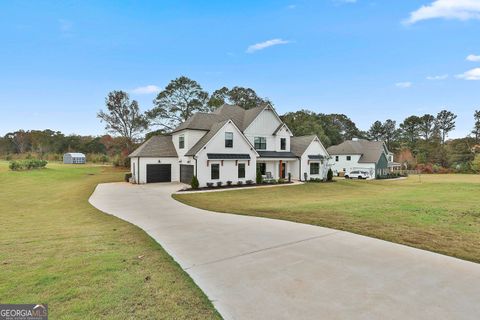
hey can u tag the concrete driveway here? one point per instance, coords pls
(256, 268)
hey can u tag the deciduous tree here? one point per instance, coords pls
(180, 99)
(306, 122)
(123, 117)
(246, 98)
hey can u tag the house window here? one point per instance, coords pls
(349, 158)
(260, 143)
(336, 158)
(228, 139)
(314, 168)
(241, 170)
(215, 171)
(181, 142)
(262, 167)
(283, 144)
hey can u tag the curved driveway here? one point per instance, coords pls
(256, 268)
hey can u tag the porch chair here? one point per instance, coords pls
(268, 177)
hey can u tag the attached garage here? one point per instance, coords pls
(154, 161)
(186, 173)
(159, 173)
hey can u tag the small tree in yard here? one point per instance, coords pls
(330, 175)
(259, 177)
(194, 184)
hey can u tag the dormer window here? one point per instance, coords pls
(260, 143)
(181, 142)
(228, 139)
(283, 143)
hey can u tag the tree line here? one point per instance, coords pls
(416, 140)
(51, 145)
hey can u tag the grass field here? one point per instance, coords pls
(440, 213)
(55, 248)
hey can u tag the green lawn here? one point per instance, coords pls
(56, 248)
(440, 213)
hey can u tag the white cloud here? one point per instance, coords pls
(446, 9)
(473, 58)
(405, 84)
(473, 74)
(266, 44)
(147, 89)
(439, 77)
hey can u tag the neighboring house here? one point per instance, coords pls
(359, 154)
(229, 144)
(74, 158)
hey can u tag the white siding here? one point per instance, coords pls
(282, 133)
(263, 126)
(344, 165)
(315, 148)
(229, 170)
(191, 138)
(143, 167)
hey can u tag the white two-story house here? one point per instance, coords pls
(229, 144)
(360, 154)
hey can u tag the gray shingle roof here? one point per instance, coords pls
(276, 154)
(316, 157)
(203, 121)
(298, 145)
(198, 121)
(228, 156)
(278, 128)
(370, 151)
(212, 122)
(156, 146)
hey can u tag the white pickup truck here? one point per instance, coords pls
(358, 174)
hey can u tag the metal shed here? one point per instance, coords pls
(74, 158)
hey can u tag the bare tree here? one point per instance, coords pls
(123, 117)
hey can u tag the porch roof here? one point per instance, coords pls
(316, 157)
(277, 155)
(228, 156)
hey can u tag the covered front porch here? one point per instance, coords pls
(276, 165)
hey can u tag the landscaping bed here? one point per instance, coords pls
(239, 184)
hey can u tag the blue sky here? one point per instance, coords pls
(371, 60)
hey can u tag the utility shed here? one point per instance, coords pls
(74, 158)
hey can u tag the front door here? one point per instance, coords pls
(283, 169)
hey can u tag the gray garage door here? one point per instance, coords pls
(159, 173)
(186, 173)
